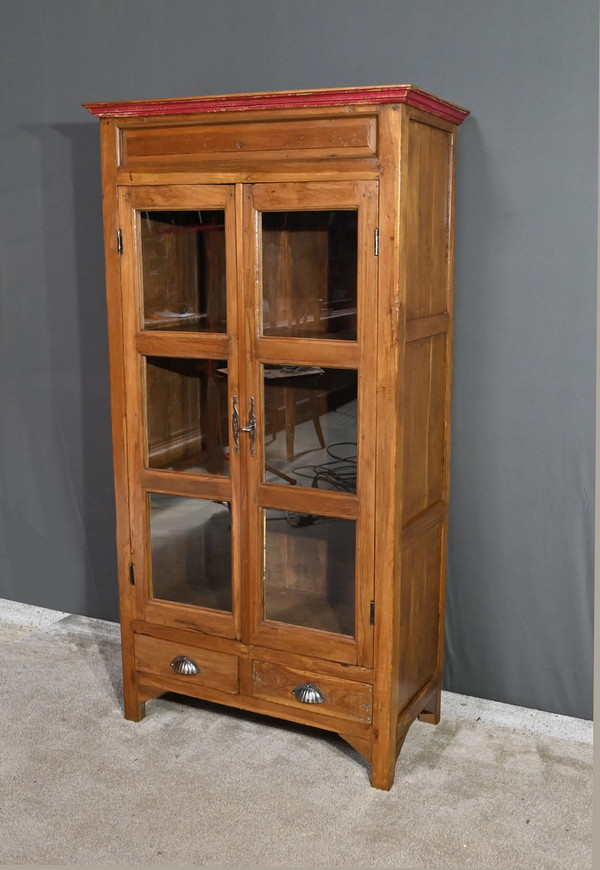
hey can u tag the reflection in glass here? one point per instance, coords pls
(191, 551)
(309, 273)
(310, 427)
(309, 571)
(183, 270)
(187, 425)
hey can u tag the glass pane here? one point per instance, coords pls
(191, 551)
(183, 270)
(309, 273)
(309, 571)
(310, 426)
(186, 412)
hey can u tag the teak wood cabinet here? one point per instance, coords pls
(279, 279)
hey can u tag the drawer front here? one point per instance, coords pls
(314, 693)
(189, 664)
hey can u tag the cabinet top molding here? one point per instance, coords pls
(378, 95)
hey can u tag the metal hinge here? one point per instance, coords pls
(132, 573)
(376, 243)
(372, 613)
(119, 242)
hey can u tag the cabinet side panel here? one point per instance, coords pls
(420, 600)
(429, 216)
(424, 426)
(426, 405)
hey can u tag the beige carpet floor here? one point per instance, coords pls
(196, 785)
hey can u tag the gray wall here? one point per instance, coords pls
(520, 570)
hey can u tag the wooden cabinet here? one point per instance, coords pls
(279, 278)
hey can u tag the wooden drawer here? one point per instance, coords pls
(344, 699)
(165, 658)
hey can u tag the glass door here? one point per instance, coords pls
(249, 362)
(181, 374)
(310, 248)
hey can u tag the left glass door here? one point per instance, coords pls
(179, 313)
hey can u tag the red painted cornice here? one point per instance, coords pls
(377, 95)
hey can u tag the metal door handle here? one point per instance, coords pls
(236, 428)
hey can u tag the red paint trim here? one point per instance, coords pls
(283, 100)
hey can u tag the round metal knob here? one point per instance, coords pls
(308, 693)
(184, 665)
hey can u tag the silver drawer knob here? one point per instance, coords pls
(308, 693)
(184, 665)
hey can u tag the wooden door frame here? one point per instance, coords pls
(359, 355)
(137, 345)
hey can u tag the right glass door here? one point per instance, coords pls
(310, 383)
